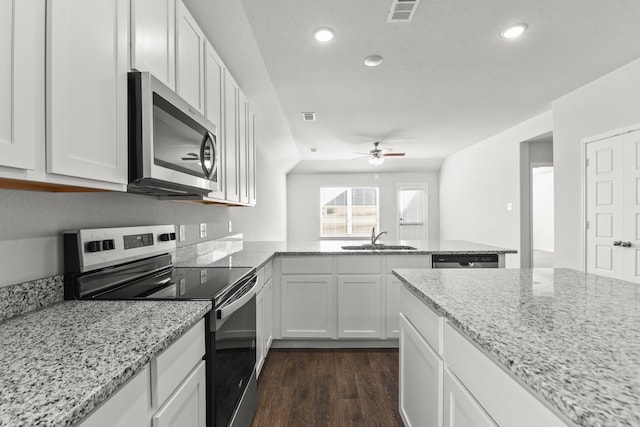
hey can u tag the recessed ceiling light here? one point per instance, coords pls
(373, 60)
(514, 31)
(323, 34)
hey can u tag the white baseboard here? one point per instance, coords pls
(335, 344)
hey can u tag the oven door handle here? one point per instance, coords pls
(228, 309)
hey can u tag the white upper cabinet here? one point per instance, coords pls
(214, 106)
(231, 139)
(153, 41)
(190, 43)
(243, 171)
(87, 65)
(21, 82)
(251, 136)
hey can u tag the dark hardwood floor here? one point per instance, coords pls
(353, 387)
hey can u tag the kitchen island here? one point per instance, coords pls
(570, 339)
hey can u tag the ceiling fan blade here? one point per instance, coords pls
(364, 154)
(393, 154)
(190, 158)
(363, 157)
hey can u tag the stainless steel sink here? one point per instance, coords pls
(379, 247)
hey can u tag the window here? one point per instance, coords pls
(348, 211)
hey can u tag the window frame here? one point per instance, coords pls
(349, 212)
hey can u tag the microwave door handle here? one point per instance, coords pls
(207, 141)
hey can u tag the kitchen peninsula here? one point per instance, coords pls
(530, 346)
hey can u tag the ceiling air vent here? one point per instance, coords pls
(402, 10)
(308, 117)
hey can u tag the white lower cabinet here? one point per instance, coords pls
(169, 391)
(392, 287)
(460, 408)
(128, 407)
(307, 305)
(421, 371)
(188, 405)
(260, 348)
(359, 306)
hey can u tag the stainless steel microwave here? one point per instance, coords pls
(173, 149)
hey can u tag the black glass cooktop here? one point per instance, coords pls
(181, 283)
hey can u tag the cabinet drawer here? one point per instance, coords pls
(171, 367)
(406, 261)
(359, 264)
(492, 386)
(187, 406)
(307, 265)
(423, 318)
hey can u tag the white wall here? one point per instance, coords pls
(608, 103)
(267, 221)
(303, 200)
(477, 183)
(542, 208)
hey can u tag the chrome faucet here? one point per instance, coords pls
(374, 237)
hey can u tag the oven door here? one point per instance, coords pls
(169, 141)
(235, 359)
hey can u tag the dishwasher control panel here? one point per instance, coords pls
(465, 261)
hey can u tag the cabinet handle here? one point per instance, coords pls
(625, 244)
(617, 243)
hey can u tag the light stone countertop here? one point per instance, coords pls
(61, 362)
(573, 337)
(256, 254)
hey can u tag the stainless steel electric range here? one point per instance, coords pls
(136, 263)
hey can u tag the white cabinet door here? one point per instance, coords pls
(128, 407)
(421, 371)
(190, 42)
(268, 316)
(460, 408)
(359, 306)
(153, 38)
(231, 139)
(392, 306)
(87, 65)
(308, 309)
(251, 154)
(260, 338)
(187, 405)
(21, 82)
(243, 161)
(213, 106)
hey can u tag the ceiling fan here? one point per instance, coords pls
(377, 155)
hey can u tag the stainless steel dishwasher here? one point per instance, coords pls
(465, 261)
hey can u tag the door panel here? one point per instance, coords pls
(412, 212)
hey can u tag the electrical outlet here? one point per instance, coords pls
(203, 231)
(182, 233)
(509, 206)
(230, 228)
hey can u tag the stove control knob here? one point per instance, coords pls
(165, 237)
(108, 245)
(94, 246)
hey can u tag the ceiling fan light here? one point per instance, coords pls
(376, 161)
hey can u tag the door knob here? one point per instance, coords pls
(625, 244)
(617, 243)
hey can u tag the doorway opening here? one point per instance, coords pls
(542, 210)
(536, 202)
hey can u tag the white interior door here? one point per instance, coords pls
(630, 245)
(412, 212)
(613, 206)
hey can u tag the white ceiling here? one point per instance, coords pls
(448, 79)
